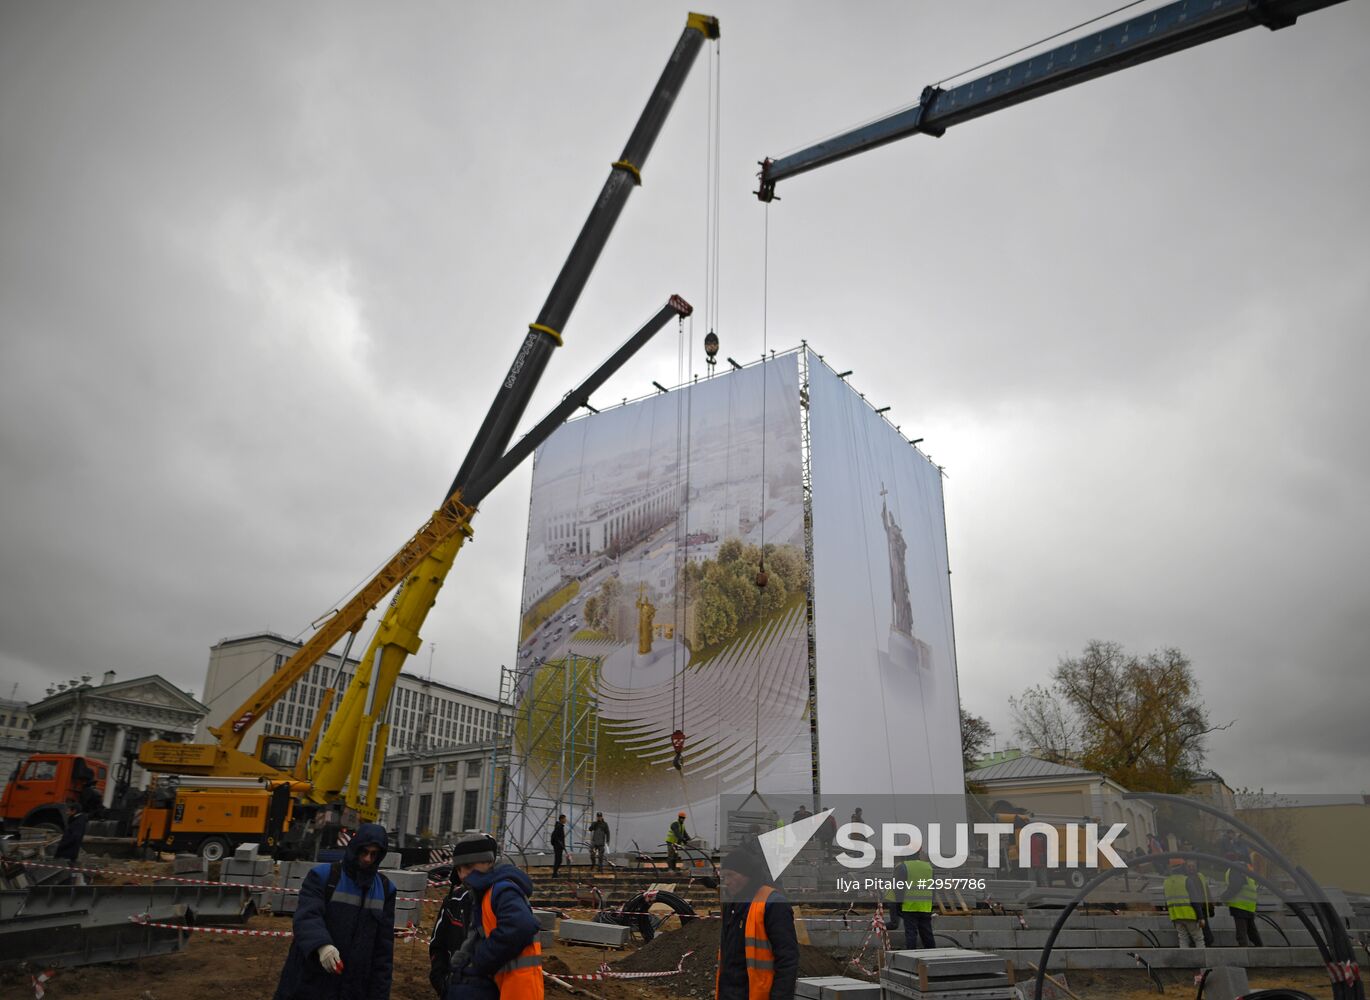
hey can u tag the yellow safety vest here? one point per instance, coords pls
(1177, 898)
(1246, 897)
(918, 900)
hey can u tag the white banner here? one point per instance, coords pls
(888, 708)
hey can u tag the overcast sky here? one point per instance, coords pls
(263, 266)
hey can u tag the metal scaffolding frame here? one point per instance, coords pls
(806, 477)
(544, 762)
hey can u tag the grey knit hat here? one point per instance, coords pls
(474, 847)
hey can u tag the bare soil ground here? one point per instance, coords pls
(233, 967)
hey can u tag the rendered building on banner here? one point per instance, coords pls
(645, 537)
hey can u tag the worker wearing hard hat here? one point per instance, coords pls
(675, 836)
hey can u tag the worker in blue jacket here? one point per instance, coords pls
(501, 956)
(344, 927)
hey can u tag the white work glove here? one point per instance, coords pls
(330, 958)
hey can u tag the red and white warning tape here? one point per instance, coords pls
(38, 991)
(142, 920)
(604, 972)
(1344, 972)
(129, 873)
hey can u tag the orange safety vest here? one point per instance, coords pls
(757, 947)
(520, 979)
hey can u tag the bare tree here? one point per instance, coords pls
(1137, 720)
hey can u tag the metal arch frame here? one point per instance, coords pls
(1152, 859)
(1317, 899)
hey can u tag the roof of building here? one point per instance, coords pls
(352, 663)
(1025, 767)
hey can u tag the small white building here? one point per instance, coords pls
(112, 720)
(15, 719)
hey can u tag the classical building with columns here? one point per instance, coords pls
(113, 719)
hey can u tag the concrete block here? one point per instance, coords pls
(251, 869)
(189, 865)
(391, 860)
(849, 989)
(246, 852)
(942, 962)
(812, 987)
(547, 938)
(589, 932)
(910, 984)
(1226, 982)
(547, 919)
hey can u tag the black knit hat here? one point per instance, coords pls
(746, 861)
(473, 848)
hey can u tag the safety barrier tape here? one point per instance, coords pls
(129, 873)
(604, 972)
(38, 991)
(142, 920)
(881, 934)
(1344, 972)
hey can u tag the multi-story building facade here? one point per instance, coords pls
(15, 719)
(439, 794)
(424, 715)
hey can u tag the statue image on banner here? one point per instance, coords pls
(905, 649)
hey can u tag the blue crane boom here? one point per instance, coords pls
(1171, 28)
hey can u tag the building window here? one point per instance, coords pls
(449, 800)
(425, 813)
(449, 770)
(280, 659)
(473, 768)
(429, 772)
(97, 739)
(470, 803)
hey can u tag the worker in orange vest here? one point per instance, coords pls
(758, 955)
(501, 956)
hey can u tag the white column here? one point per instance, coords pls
(83, 740)
(152, 734)
(116, 755)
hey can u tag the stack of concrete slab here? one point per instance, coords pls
(190, 866)
(590, 932)
(292, 877)
(947, 974)
(246, 868)
(409, 888)
(836, 988)
(547, 922)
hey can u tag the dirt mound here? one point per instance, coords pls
(700, 937)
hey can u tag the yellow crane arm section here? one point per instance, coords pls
(342, 752)
(450, 524)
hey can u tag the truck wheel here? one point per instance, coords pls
(213, 848)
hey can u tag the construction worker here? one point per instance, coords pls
(915, 902)
(599, 841)
(344, 927)
(73, 836)
(677, 834)
(1240, 897)
(758, 954)
(501, 956)
(450, 928)
(1184, 913)
(558, 844)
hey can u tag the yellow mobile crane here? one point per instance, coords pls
(233, 795)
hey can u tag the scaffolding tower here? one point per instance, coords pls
(544, 758)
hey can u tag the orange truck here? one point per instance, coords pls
(41, 786)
